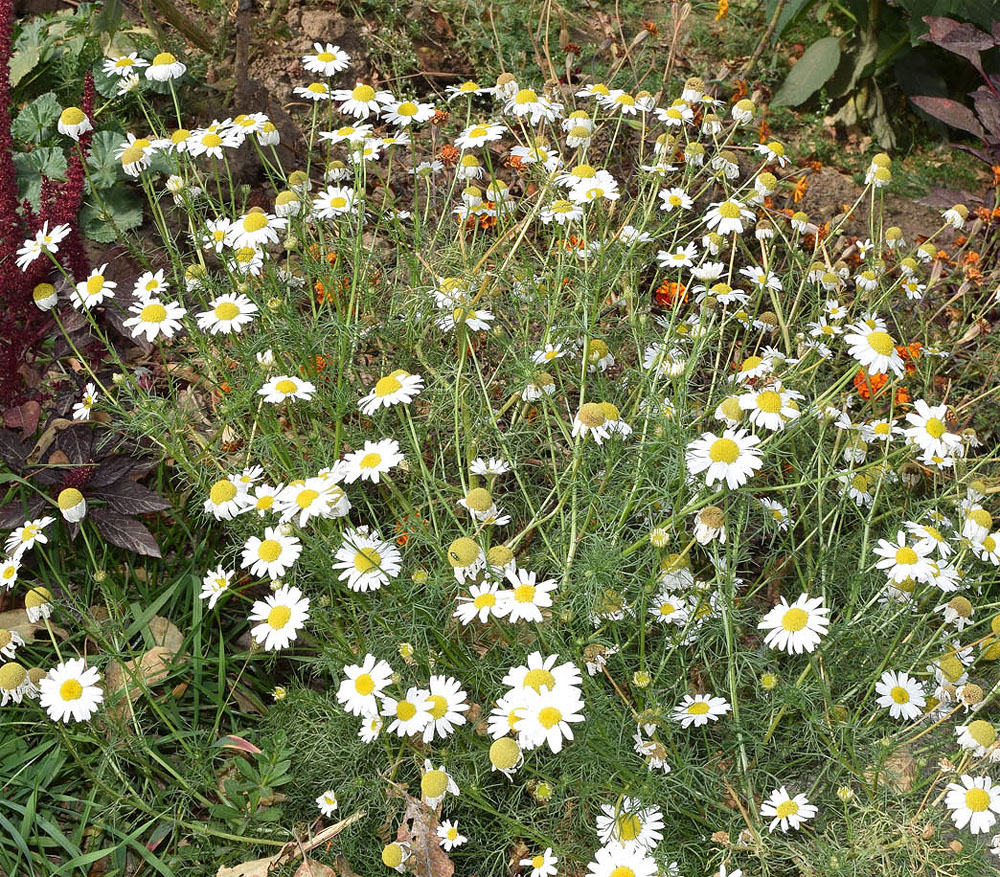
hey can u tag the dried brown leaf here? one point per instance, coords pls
(419, 829)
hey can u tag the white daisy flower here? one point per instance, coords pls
(700, 710)
(398, 387)
(215, 583)
(372, 461)
(796, 627)
(363, 684)
(901, 694)
(282, 387)
(280, 615)
(366, 562)
(271, 556)
(70, 691)
(973, 802)
(409, 715)
(326, 60)
(786, 812)
(733, 457)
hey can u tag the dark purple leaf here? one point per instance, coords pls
(114, 468)
(978, 153)
(988, 109)
(124, 532)
(944, 199)
(13, 451)
(130, 498)
(951, 112)
(962, 39)
(75, 442)
(15, 513)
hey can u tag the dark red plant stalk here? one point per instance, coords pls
(22, 325)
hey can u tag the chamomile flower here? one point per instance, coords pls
(797, 627)
(211, 141)
(410, 714)
(726, 217)
(215, 583)
(69, 691)
(226, 499)
(700, 710)
(366, 562)
(154, 318)
(314, 91)
(973, 802)
(542, 864)
(527, 597)
(282, 387)
(771, 407)
(929, 430)
(326, 60)
(255, 229)
(363, 684)
(874, 349)
(436, 783)
(449, 702)
(901, 694)
(10, 642)
(786, 811)
(9, 568)
(81, 410)
(630, 824)
(449, 836)
(327, 802)
(280, 615)
(372, 461)
(618, 861)
(900, 560)
(94, 290)
(227, 313)
(361, 101)
(271, 556)
(27, 536)
(164, 68)
(545, 717)
(123, 65)
(398, 387)
(674, 199)
(334, 201)
(732, 457)
(482, 603)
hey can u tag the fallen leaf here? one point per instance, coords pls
(17, 621)
(165, 633)
(312, 868)
(343, 867)
(419, 830)
(256, 868)
(145, 671)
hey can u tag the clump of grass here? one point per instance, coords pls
(538, 417)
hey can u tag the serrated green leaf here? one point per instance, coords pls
(104, 170)
(119, 209)
(809, 75)
(30, 166)
(38, 119)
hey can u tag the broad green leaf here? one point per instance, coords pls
(38, 119)
(23, 63)
(791, 11)
(102, 167)
(30, 166)
(810, 74)
(119, 207)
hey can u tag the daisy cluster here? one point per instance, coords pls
(580, 322)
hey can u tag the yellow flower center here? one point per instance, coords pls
(279, 616)
(164, 58)
(537, 678)
(254, 222)
(269, 550)
(698, 708)
(226, 311)
(407, 109)
(12, 676)
(729, 210)
(222, 491)
(370, 461)
(364, 684)
(387, 386)
(769, 401)
(795, 620)
(786, 809)
(900, 694)
(122, 63)
(95, 284)
(524, 593)
(622, 871)
(72, 116)
(977, 800)
(363, 93)
(525, 96)
(286, 386)
(935, 428)
(326, 57)
(906, 556)
(366, 560)
(478, 131)
(439, 706)
(881, 342)
(487, 599)
(316, 88)
(69, 498)
(504, 754)
(264, 503)
(628, 827)
(71, 690)
(153, 313)
(434, 783)
(724, 450)
(405, 710)
(211, 140)
(392, 855)
(549, 717)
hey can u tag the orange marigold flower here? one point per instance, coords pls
(996, 175)
(226, 387)
(440, 117)
(902, 396)
(740, 92)
(723, 10)
(983, 213)
(763, 132)
(867, 384)
(799, 192)
(971, 258)
(651, 27)
(670, 293)
(449, 154)
(515, 162)
(814, 165)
